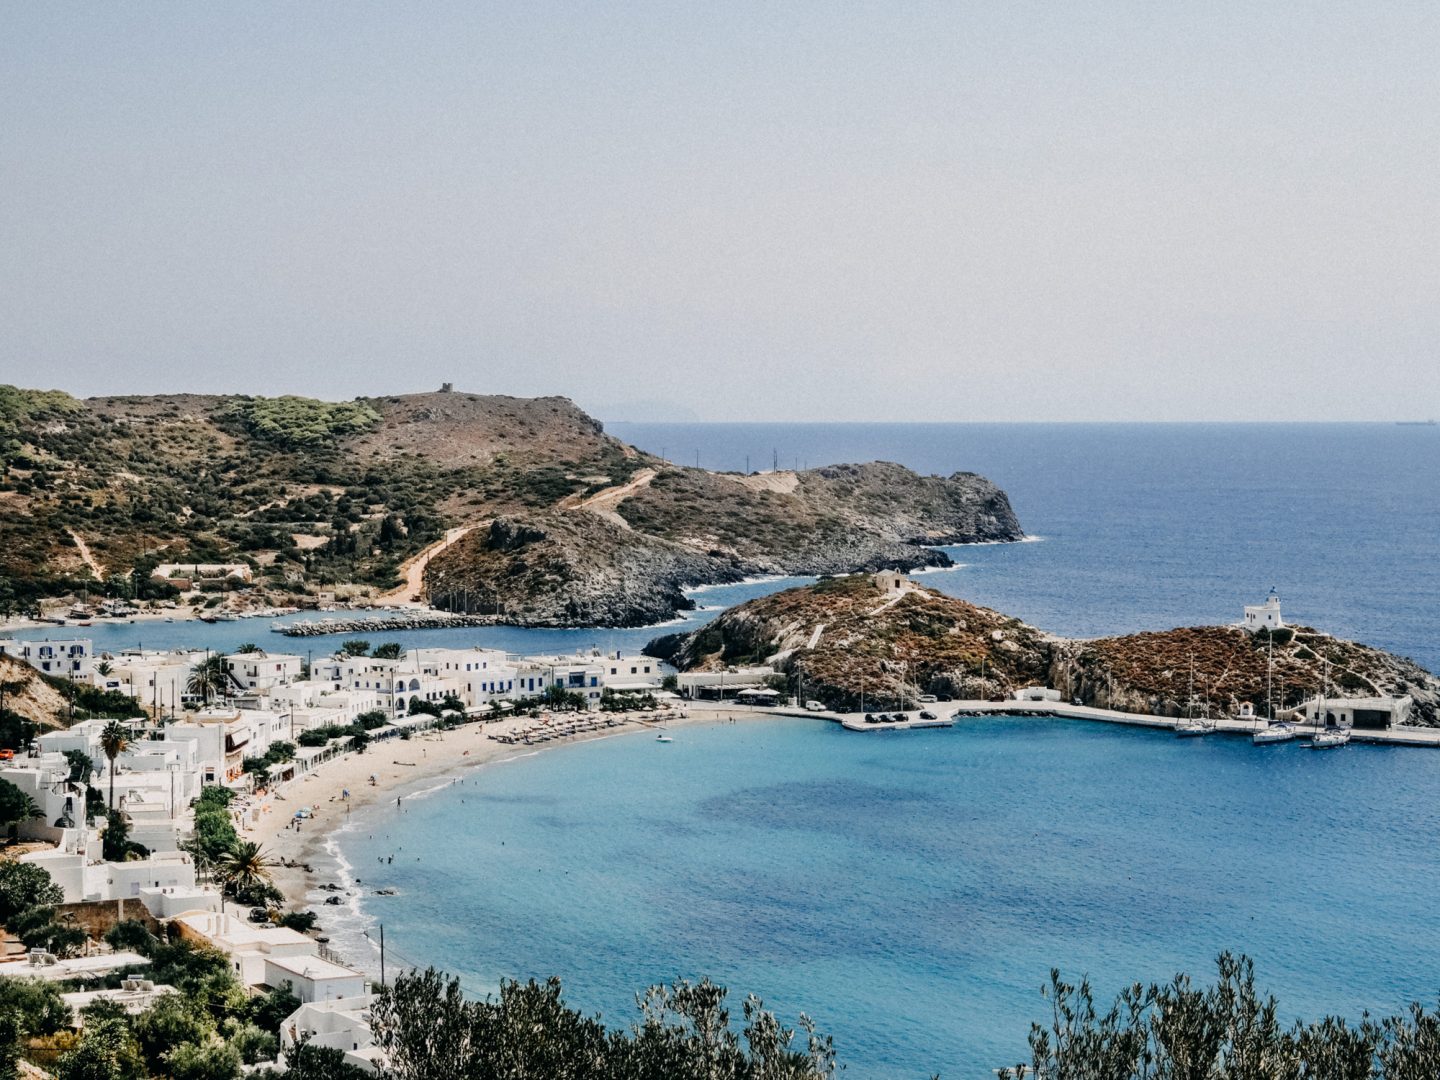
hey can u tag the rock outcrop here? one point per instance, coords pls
(849, 635)
(848, 638)
(570, 569)
(623, 561)
(28, 695)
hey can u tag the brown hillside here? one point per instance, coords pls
(29, 695)
(848, 637)
(842, 631)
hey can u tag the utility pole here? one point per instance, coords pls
(382, 954)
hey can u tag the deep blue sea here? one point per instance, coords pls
(912, 890)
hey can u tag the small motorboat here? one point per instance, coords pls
(662, 737)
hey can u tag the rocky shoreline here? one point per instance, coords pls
(852, 638)
(629, 561)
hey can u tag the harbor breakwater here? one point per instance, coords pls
(428, 620)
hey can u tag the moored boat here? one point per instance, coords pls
(1194, 727)
(1281, 731)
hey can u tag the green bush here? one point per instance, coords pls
(301, 423)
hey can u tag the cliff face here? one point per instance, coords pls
(847, 634)
(620, 555)
(570, 569)
(29, 695)
(838, 519)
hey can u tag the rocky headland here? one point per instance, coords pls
(847, 636)
(566, 525)
(622, 556)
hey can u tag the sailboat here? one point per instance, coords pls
(1193, 727)
(1328, 738)
(1272, 732)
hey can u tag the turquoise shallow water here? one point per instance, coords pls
(912, 890)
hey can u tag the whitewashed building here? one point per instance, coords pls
(342, 1024)
(1264, 616)
(76, 866)
(72, 659)
(1375, 713)
(262, 670)
(312, 978)
(156, 679)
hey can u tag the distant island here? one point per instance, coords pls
(881, 639)
(521, 509)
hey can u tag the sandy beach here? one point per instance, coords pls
(402, 766)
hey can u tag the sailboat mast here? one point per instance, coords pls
(1269, 676)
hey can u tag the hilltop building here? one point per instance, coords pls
(1264, 616)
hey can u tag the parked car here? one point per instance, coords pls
(925, 714)
(815, 706)
(927, 699)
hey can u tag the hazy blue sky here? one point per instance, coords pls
(849, 211)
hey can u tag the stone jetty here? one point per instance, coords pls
(420, 620)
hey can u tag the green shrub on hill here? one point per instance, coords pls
(300, 423)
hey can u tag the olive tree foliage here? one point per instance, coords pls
(430, 1031)
(24, 886)
(1222, 1032)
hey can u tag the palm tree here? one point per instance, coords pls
(103, 668)
(207, 678)
(114, 738)
(248, 647)
(244, 866)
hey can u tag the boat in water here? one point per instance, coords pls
(1195, 730)
(1276, 732)
(1332, 735)
(1194, 727)
(663, 738)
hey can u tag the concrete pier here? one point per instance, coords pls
(955, 712)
